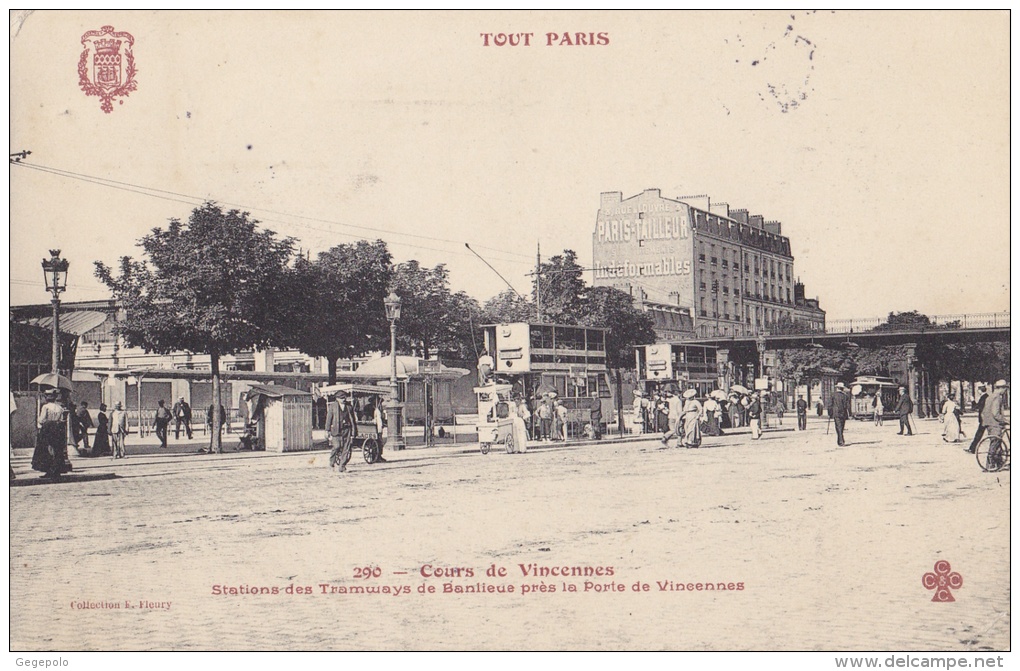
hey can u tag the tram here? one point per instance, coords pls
(869, 386)
(674, 364)
(544, 359)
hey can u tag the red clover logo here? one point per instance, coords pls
(942, 580)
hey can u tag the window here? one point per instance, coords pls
(715, 261)
(787, 294)
(736, 291)
(725, 263)
(701, 257)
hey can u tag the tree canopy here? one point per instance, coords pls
(335, 303)
(211, 285)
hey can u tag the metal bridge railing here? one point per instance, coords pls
(939, 322)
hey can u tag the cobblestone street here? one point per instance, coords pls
(808, 546)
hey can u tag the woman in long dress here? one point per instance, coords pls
(691, 418)
(951, 420)
(520, 419)
(101, 441)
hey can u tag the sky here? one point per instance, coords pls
(880, 140)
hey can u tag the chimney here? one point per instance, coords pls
(774, 227)
(701, 202)
(757, 220)
(739, 215)
(610, 198)
(721, 209)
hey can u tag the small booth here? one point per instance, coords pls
(281, 418)
(495, 424)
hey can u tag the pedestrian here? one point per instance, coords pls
(83, 420)
(818, 408)
(545, 418)
(690, 419)
(379, 420)
(662, 411)
(839, 411)
(101, 441)
(50, 455)
(995, 421)
(713, 412)
(75, 425)
(342, 427)
(878, 407)
(182, 416)
(162, 422)
(780, 410)
(950, 418)
(561, 420)
(754, 415)
(734, 411)
(596, 415)
(904, 407)
(980, 407)
(520, 418)
(801, 414)
(674, 412)
(118, 430)
(10, 436)
(638, 419)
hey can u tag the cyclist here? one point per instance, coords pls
(995, 420)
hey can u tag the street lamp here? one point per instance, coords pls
(393, 405)
(55, 274)
(761, 353)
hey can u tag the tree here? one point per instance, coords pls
(787, 326)
(211, 285)
(563, 287)
(612, 309)
(335, 303)
(507, 308)
(432, 319)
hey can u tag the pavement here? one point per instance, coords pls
(808, 546)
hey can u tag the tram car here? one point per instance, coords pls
(863, 392)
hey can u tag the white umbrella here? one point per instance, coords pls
(740, 389)
(53, 380)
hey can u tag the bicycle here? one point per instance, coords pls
(993, 453)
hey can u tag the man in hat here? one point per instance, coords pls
(993, 417)
(342, 427)
(83, 421)
(904, 406)
(754, 415)
(676, 405)
(839, 411)
(118, 429)
(182, 415)
(162, 422)
(51, 449)
(981, 424)
(801, 413)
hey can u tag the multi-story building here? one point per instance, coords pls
(732, 271)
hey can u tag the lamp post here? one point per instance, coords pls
(760, 342)
(55, 274)
(393, 405)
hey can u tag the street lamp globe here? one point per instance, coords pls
(55, 272)
(392, 303)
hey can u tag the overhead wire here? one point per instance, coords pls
(188, 199)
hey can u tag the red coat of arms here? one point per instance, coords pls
(107, 65)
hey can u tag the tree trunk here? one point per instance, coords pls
(619, 401)
(215, 444)
(332, 369)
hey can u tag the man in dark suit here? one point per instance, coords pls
(839, 411)
(182, 415)
(981, 425)
(342, 427)
(904, 406)
(801, 414)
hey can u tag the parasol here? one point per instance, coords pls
(53, 380)
(718, 394)
(856, 390)
(740, 389)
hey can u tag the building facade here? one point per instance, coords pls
(730, 270)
